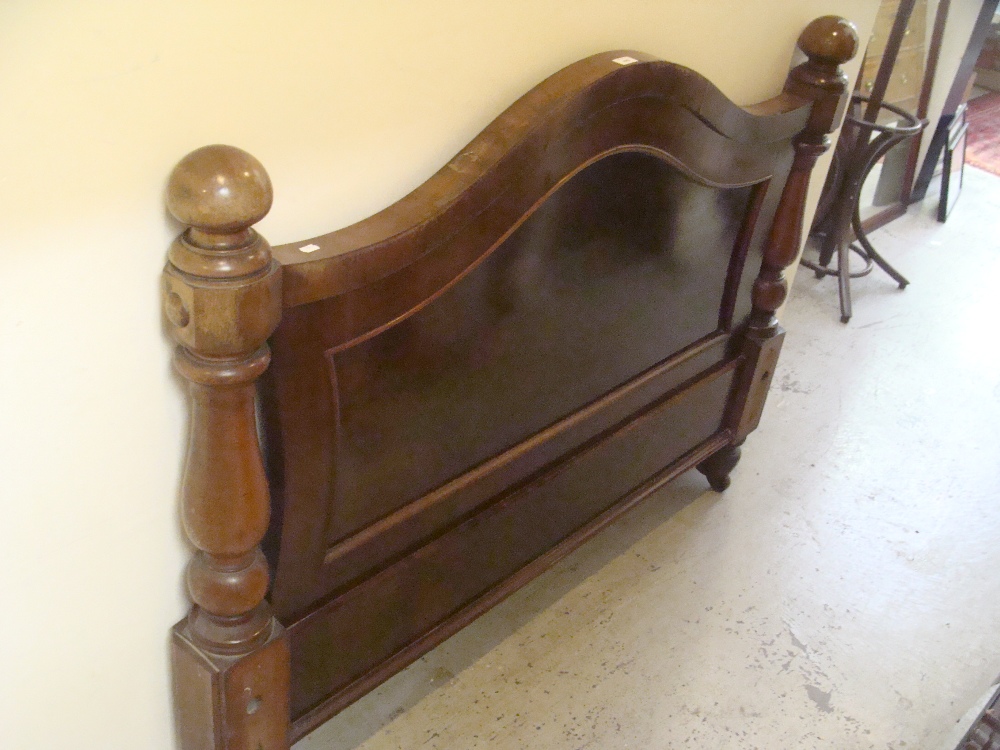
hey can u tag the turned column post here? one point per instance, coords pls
(222, 299)
(828, 42)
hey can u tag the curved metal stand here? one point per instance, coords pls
(861, 152)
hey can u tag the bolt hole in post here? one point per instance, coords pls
(765, 375)
(176, 312)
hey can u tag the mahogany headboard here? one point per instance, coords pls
(459, 390)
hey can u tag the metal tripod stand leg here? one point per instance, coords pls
(860, 152)
(873, 255)
(844, 280)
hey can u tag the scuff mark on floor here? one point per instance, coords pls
(821, 698)
(795, 641)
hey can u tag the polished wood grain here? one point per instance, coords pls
(471, 383)
(222, 299)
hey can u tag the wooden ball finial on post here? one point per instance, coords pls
(218, 191)
(828, 42)
(222, 300)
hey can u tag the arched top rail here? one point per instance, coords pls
(607, 103)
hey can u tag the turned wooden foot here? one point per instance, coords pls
(717, 467)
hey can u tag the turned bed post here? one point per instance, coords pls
(828, 42)
(222, 299)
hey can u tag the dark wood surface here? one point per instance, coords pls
(471, 383)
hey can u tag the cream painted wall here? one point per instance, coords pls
(349, 104)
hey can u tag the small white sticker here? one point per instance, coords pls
(625, 60)
(308, 248)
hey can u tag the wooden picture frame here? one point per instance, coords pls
(954, 164)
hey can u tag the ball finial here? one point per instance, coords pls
(830, 39)
(219, 190)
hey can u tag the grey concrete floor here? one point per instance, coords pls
(843, 593)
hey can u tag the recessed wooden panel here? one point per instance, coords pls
(601, 284)
(609, 222)
(400, 531)
(419, 592)
(628, 263)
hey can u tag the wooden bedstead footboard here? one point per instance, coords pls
(461, 389)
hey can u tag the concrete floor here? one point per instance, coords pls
(843, 593)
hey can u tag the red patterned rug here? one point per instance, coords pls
(983, 148)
